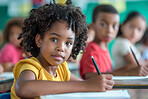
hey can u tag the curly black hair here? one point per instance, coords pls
(40, 20)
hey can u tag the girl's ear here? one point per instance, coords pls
(38, 40)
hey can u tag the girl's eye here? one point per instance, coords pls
(104, 25)
(54, 40)
(115, 26)
(139, 30)
(68, 43)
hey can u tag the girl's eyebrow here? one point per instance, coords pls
(55, 34)
(70, 38)
(60, 36)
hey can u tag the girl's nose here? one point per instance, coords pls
(60, 47)
(110, 29)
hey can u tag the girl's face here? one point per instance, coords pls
(134, 29)
(57, 43)
(106, 26)
(13, 35)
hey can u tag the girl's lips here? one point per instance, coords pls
(108, 37)
(56, 57)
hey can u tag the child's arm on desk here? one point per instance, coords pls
(132, 70)
(125, 71)
(28, 87)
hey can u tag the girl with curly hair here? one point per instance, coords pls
(53, 33)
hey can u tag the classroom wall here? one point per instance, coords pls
(3, 16)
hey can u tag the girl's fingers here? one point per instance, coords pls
(109, 76)
(108, 87)
(144, 72)
(110, 82)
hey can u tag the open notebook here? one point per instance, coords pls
(129, 78)
(113, 94)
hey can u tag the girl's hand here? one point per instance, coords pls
(141, 70)
(99, 83)
(144, 69)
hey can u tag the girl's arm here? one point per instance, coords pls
(129, 58)
(74, 77)
(132, 68)
(28, 87)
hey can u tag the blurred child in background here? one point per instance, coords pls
(11, 52)
(131, 31)
(106, 24)
(142, 46)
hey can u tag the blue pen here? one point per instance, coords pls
(95, 64)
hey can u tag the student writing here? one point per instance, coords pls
(52, 33)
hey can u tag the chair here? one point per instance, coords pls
(5, 96)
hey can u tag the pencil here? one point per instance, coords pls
(95, 64)
(134, 56)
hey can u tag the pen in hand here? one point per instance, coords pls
(95, 64)
(134, 56)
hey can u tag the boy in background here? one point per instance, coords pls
(106, 25)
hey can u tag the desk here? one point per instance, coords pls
(137, 86)
(138, 93)
(6, 81)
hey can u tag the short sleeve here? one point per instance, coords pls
(64, 72)
(124, 47)
(67, 76)
(29, 67)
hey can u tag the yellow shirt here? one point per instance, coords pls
(63, 73)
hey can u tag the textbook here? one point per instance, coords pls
(112, 94)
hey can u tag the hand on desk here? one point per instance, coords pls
(100, 83)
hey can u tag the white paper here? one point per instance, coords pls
(114, 94)
(130, 77)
